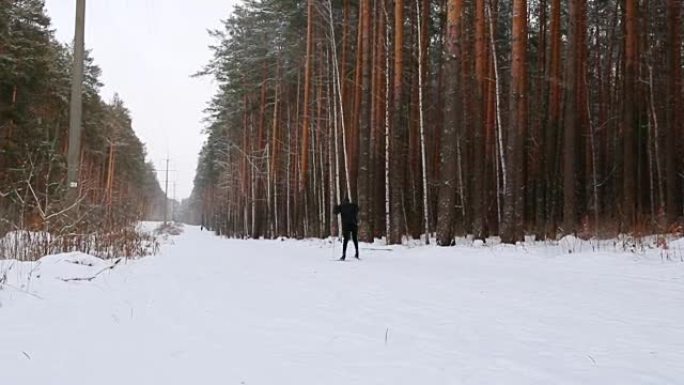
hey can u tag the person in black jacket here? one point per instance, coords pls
(350, 225)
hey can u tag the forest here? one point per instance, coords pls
(117, 187)
(445, 117)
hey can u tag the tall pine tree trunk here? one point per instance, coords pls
(306, 116)
(570, 129)
(399, 134)
(512, 230)
(421, 122)
(673, 161)
(388, 225)
(363, 182)
(629, 117)
(553, 122)
(452, 122)
(479, 159)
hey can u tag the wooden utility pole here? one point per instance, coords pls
(166, 190)
(173, 204)
(76, 112)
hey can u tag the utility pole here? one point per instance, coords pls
(166, 191)
(75, 115)
(166, 187)
(173, 204)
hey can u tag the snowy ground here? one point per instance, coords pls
(213, 311)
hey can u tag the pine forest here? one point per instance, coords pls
(445, 117)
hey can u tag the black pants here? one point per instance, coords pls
(354, 234)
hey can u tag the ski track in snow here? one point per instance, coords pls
(209, 310)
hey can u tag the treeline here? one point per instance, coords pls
(117, 187)
(453, 117)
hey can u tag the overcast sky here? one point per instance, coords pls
(147, 50)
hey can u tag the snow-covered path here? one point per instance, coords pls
(213, 311)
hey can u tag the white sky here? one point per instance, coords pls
(147, 50)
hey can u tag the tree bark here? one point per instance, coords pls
(306, 116)
(479, 159)
(554, 120)
(512, 229)
(363, 182)
(629, 117)
(570, 131)
(398, 141)
(421, 122)
(452, 122)
(673, 161)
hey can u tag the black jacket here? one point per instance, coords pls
(350, 215)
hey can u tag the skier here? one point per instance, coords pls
(350, 225)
